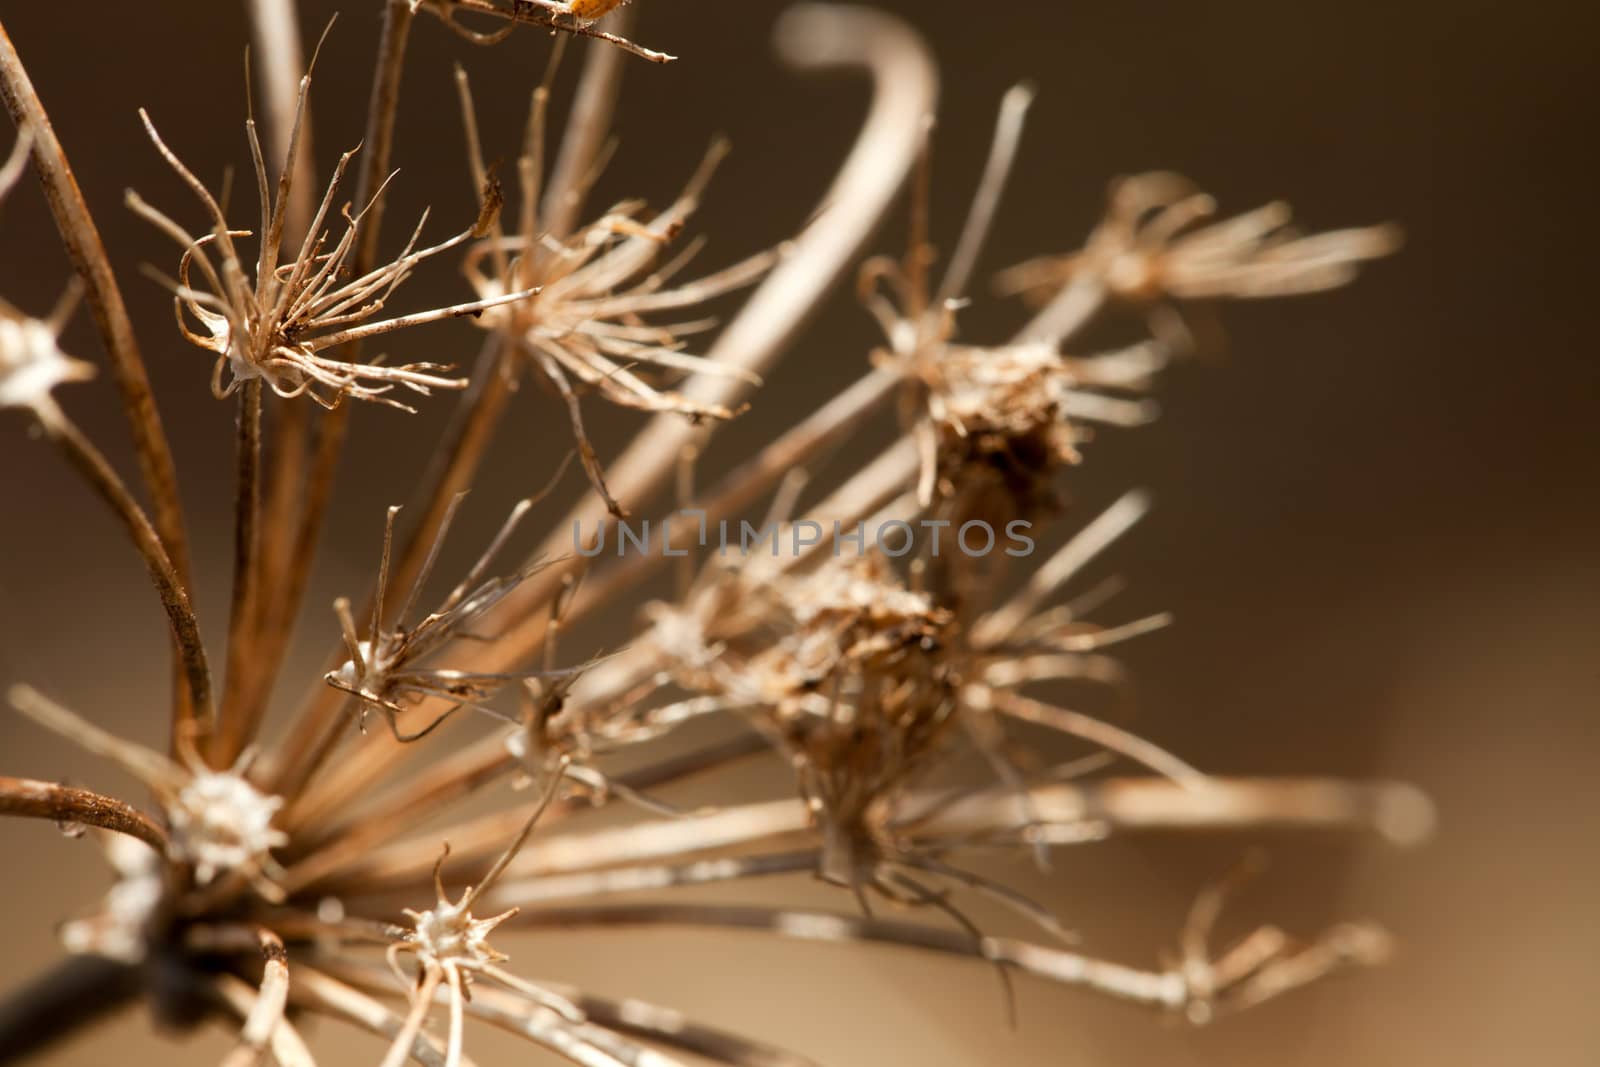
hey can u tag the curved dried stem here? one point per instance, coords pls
(78, 807)
(84, 248)
(169, 583)
(88, 255)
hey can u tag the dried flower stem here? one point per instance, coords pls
(275, 31)
(801, 445)
(282, 1041)
(65, 804)
(352, 845)
(594, 103)
(313, 989)
(81, 239)
(383, 106)
(264, 1015)
(1068, 812)
(1396, 812)
(1176, 989)
(169, 585)
(236, 715)
(83, 245)
(639, 1018)
(548, 15)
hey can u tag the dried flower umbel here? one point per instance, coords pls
(594, 285)
(902, 686)
(276, 327)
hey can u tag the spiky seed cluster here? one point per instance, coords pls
(1155, 244)
(1007, 420)
(393, 669)
(220, 822)
(448, 933)
(31, 361)
(32, 364)
(588, 327)
(277, 326)
(867, 695)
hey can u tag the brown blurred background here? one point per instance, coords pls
(1377, 519)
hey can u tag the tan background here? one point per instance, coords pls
(1376, 517)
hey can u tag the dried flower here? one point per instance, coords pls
(586, 327)
(1148, 249)
(882, 682)
(567, 16)
(389, 670)
(219, 822)
(277, 327)
(31, 361)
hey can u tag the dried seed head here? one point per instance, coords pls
(1149, 248)
(586, 328)
(276, 326)
(31, 361)
(449, 932)
(220, 823)
(119, 930)
(392, 668)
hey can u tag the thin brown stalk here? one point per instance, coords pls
(83, 455)
(84, 248)
(70, 806)
(264, 1014)
(594, 104)
(480, 409)
(275, 32)
(1155, 988)
(235, 725)
(317, 991)
(283, 1041)
(280, 64)
(383, 106)
(1396, 812)
(354, 851)
(421, 1001)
